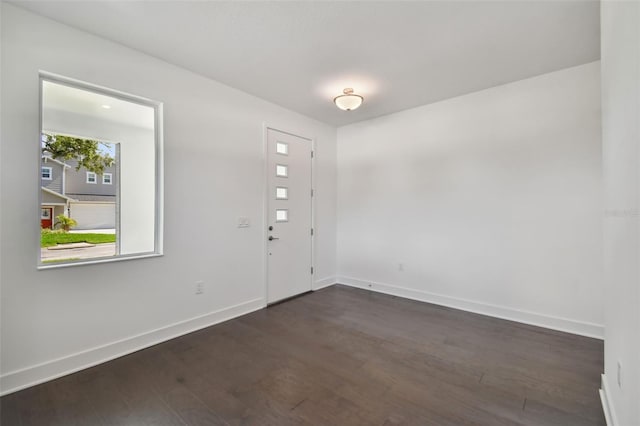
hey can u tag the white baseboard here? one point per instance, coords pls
(532, 318)
(324, 282)
(30, 376)
(609, 413)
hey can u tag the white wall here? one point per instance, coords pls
(54, 321)
(621, 150)
(490, 201)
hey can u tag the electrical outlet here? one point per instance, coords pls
(199, 287)
(243, 222)
(619, 375)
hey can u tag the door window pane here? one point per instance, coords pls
(282, 215)
(282, 170)
(282, 193)
(282, 148)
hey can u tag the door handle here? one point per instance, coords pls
(271, 238)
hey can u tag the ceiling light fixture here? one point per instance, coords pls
(349, 101)
(106, 106)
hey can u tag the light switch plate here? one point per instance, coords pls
(243, 222)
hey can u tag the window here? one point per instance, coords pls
(282, 148)
(282, 215)
(46, 173)
(282, 170)
(122, 146)
(282, 193)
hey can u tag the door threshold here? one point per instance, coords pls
(287, 299)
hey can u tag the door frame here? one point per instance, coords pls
(265, 203)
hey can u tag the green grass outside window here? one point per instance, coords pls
(52, 239)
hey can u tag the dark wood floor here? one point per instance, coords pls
(340, 356)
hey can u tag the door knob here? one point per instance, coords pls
(271, 238)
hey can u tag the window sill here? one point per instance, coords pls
(97, 260)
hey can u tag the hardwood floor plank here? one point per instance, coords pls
(339, 356)
(10, 410)
(71, 404)
(191, 410)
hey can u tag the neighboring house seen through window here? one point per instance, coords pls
(46, 173)
(91, 177)
(106, 178)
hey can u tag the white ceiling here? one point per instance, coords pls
(396, 54)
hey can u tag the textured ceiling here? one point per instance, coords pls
(396, 54)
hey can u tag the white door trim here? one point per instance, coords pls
(265, 203)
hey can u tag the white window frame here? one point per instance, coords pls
(95, 178)
(104, 175)
(158, 160)
(42, 168)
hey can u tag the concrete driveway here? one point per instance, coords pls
(92, 231)
(78, 251)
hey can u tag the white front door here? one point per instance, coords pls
(289, 215)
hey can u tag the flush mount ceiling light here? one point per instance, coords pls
(349, 101)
